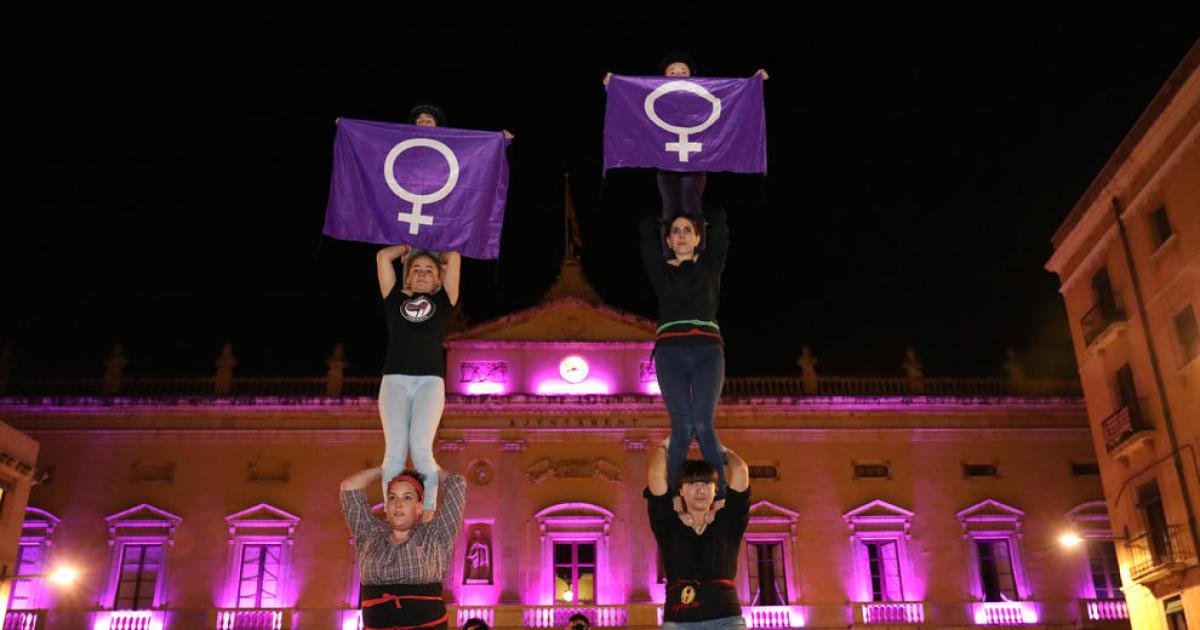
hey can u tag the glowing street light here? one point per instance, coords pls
(64, 576)
(1070, 540)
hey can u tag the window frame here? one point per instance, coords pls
(37, 530)
(875, 522)
(991, 520)
(575, 522)
(142, 524)
(262, 524)
(769, 523)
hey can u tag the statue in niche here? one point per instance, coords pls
(478, 559)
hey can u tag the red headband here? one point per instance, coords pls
(417, 485)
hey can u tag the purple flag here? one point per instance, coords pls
(430, 187)
(685, 124)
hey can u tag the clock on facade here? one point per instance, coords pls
(573, 369)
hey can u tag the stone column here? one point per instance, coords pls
(510, 522)
(642, 548)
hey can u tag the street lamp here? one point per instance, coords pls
(1070, 540)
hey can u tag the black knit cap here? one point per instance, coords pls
(676, 56)
(427, 108)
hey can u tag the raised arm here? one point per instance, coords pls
(652, 256)
(451, 272)
(717, 250)
(737, 474)
(362, 479)
(452, 498)
(385, 266)
(355, 509)
(656, 469)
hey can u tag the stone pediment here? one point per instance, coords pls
(990, 510)
(1090, 512)
(767, 511)
(262, 513)
(877, 510)
(567, 319)
(143, 514)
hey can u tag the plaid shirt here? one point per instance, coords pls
(424, 557)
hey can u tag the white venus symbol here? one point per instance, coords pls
(415, 219)
(683, 147)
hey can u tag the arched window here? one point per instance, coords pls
(575, 551)
(33, 553)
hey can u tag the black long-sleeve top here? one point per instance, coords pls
(688, 294)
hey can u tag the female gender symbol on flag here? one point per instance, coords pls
(415, 219)
(683, 147)
(709, 124)
(463, 172)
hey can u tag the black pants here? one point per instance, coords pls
(402, 607)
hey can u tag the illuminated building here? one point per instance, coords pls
(906, 500)
(1128, 257)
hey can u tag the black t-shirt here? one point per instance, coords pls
(690, 291)
(417, 326)
(700, 568)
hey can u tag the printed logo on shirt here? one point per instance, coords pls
(687, 595)
(417, 309)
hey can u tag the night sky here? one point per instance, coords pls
(165, 177)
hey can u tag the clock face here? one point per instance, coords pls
(573, 369)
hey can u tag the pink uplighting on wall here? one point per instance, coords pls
(1005, 613)
(486, 389)
(559, 387)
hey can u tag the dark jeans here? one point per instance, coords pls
(681, 193)
(690, 378)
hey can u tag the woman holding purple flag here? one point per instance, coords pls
(688, 353)
(413, 390)
(682, 192)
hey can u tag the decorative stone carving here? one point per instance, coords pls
(268, 472)
(598, 468)
(481, 472)
(152, 472)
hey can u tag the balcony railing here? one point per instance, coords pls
(23, 620)
(486, 613)
(1005, 613)
(557, 616)
(130, 620)
(1100, 318)
(1156, 551)
(773, 616)
(1122, 425)
(251, 619)
(892, 613)
(1105, 609)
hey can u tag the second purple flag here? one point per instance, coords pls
(685, 124)
(434, 188)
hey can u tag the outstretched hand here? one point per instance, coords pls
(762, 73)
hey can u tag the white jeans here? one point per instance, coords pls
(411, 409)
